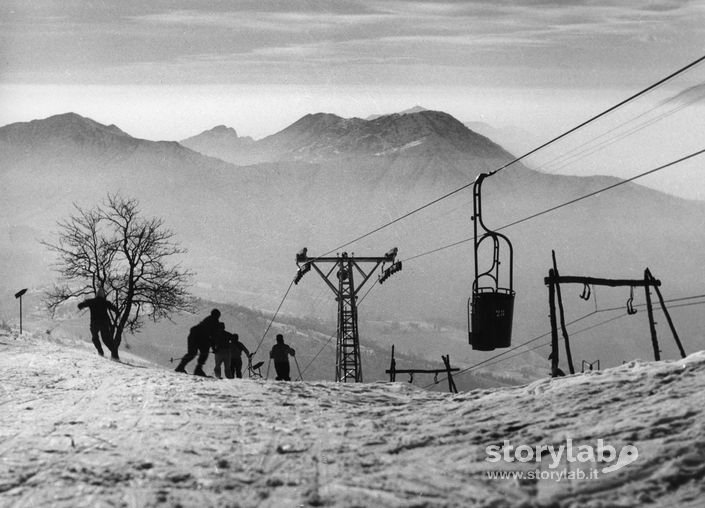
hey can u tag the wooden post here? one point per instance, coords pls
(554, 327)
(650, 312)
(668, 318)
(554, 280)
(451, 383)
(393, 368)
(561, 312)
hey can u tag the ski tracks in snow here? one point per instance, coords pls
(80, 430)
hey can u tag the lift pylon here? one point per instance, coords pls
(340, 278)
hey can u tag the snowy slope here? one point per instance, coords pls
(80, 430)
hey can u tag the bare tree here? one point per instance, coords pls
(112, 246)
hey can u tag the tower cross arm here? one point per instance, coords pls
(326, 278)
(366, 275)
(306, 262)
(594, 281)
(303, 257)
(336, 259)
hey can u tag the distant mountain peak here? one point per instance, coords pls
(223, 130)
(319, 122)
(67, 134)
(221, 133)
(415, 109)
(67, 128)
(410, 111)
(221, 142)
(423, 134)
(74, 120)
(69, 116)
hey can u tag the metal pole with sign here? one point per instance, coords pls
(19, 296)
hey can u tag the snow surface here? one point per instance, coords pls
(81, 430)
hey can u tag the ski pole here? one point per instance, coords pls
(297, 368)
(266, 376)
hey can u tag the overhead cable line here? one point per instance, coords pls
(589, 147)
(485, 362)
(691, 304)
(605, 112)
(578, 332)
(319, 352)
(367, 293)
(514, 161)
(544, 344)
(672, 300)
(605, 189)
(597, 311)
(479, 364)
(527, 154)
(519, 346)
(402, 217)
(684, 298)
(525, 219)
(572, 201)
(291, 284)
(333, 336)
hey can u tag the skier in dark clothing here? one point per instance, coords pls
(200, 340)
(100, 322)
(236, 350)
(280, 354)
(222, 349)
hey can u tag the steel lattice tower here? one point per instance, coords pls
(347, 362)
(348, 366)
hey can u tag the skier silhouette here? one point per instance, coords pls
(236, 350)
(100, 322)
(280, 354)
(221, 348)
(199, 342)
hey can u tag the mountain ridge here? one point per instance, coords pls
(317, 137)
(84, 135)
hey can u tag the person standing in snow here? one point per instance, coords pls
(236, 350)
(280, 354)
(200, 339)
(223, 349)
(100, 322)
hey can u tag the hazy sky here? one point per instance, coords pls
(169, 69)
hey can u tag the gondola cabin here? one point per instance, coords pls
(490, 323)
